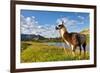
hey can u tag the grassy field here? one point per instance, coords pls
(39, 52)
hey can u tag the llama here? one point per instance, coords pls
(73, 39)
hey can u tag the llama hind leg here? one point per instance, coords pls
(80, 49)
(84, 48)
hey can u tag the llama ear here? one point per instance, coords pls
(62, 22)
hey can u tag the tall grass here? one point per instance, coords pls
(39, 52)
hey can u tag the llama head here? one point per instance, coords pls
(60, 26)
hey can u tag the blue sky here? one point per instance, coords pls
(45, 21)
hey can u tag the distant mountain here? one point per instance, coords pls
(25, 37)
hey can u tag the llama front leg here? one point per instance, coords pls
(73, 50)
(64, 48)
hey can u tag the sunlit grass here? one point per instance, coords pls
(40, 52)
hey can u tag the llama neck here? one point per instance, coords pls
(65, 36)
(62, 31)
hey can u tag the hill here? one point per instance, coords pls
(28, 37)
(85, 31)
(38, 38)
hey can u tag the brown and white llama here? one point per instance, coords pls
(73, 39)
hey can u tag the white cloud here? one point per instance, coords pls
(64, 19)
(81, 17)
(67, 21)
(29, 25)
(71, 24)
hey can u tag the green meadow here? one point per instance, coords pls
(39, 52)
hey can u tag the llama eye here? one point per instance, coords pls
(59, 25)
